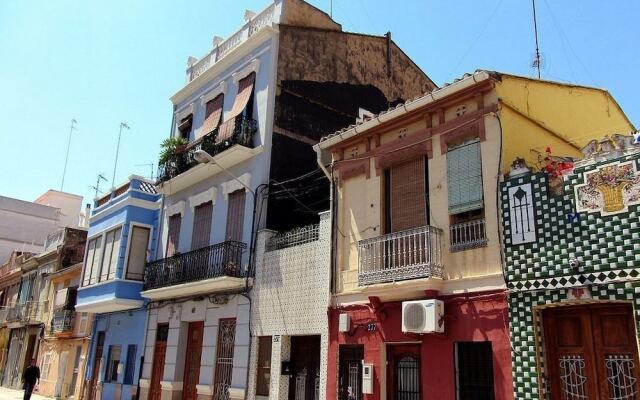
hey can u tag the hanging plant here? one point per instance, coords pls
(170, 147)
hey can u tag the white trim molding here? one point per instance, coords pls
(170, 385)
(144, 383)
(236, 393)
(205, 390)
(184, 112)
(236, 184)
(203, 197)
(219, 89)
(253, 66)
(176, 208)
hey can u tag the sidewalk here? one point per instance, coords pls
(10, 394)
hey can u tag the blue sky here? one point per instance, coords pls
(106, 62)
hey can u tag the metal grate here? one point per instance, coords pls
(572, 375)
(301, 385)
(294, 237)
(147, 187)
(224, 358)
(621, 377)
(408, 375)
(468, 235)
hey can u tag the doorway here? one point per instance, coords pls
(305, 358)
(591, 352)
(192, 361)
(62, 369)
(403, 372)
(97, 359)
(350, 372)
(157, 368)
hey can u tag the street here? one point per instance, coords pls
(11, 394)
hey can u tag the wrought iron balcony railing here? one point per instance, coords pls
(27, 312)
(62, 321)
(410, 254)
(243, 132)
(222, 259)
(468, 235)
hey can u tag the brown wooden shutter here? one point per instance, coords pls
(408, 195)
(201, 225)
(245, 89)
(174, 234)
(235, 215)
(212, 115)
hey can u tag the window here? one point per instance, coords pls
(464, 177)
(92, 261)
(201, 225)
(113, 360)
(46, 366)
(131, 364)
(111, 254)
(185, 126)
(406, 196)
(235, 215)
(242, 107)
(174, 234)
(137, 252)
(264, 366)
(213, 113)
(474, 371)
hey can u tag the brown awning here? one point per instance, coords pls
(245, 89)
(212, 115)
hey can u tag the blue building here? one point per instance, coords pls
(123, 230)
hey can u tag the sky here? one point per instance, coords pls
(107, 62)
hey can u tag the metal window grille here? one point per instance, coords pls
(294, 237)
(572, 375)
(408, 384)
(621, 377)
(468, 235)
(301, 385)
(224, 358)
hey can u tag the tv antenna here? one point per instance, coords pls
(97, 185)
(537, 60)
(115, 164)
(150, 165)
(66, 160)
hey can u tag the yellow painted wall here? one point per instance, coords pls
(571, 114)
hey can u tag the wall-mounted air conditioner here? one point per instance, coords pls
(344, 323)
(423, 316)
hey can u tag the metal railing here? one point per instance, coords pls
(255, 24)
(222, 259)
(468, 235)
(27, 312)
(410, 254)
(244, 130)
(294, 237)
(62, 321)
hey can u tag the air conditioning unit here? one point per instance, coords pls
(423, 316)
(344, 323)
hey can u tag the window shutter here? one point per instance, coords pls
(213, 113)
(94, 259)
(137, 252)
(201, 225)
(464, 177)
(235, 215)
(174, 234)
(408, 195)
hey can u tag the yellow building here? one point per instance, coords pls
(416, 218)
(64, 348)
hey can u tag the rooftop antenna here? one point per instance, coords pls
(537, 62)
(97, 186)
(150, 165)
(115, 164)
(331, 8)
(66, 160)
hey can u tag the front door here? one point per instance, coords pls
(350, 373)
(192, 361)
(96, 366)
(305, 358)
(62, 369)
(157, 368)
(591, 352)
(403, 372)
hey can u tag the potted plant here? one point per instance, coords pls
(170, 147)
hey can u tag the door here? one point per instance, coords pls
(235, 215)
(28, 355)
(224, 358)
(76, 371)
(403, 372)
(192, 361)
(350, 372)
(95, 372)
(62, 368)
(157, 367)
(305, 359)
(591, 352)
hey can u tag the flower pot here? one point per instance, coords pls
(612, 196)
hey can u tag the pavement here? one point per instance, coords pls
(11, 394)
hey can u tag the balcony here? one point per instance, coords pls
(209, 269)
(62, 322)
(468, 235)
(411, 254)
(30, 312)
(183, 170)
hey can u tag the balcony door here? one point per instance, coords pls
(157, 366)
(174, 234)
(406, 196)
(235, 215)
(192, 361)
(202, 215)
(591, 352)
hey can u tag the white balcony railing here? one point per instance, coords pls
(411, 254)
(253, 25)
(468, 235)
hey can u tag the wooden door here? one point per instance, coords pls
(591, 352)
(157, 367)
(192, 361)
(350, 372)
(403, 372)
(305, 359)
(96, 366)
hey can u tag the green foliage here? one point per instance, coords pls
(168, 148)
